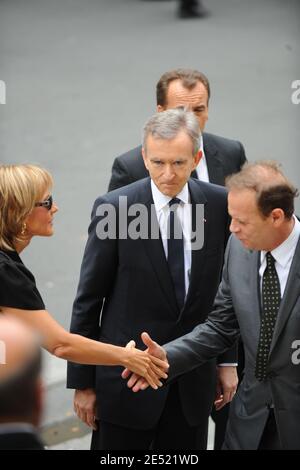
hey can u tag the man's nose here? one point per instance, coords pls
(169, 172)
(233, 227)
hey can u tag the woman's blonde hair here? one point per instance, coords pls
(21, 187)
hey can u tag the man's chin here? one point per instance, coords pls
(244, 242)
(170, 190)
(248, 245)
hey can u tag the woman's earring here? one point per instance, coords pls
(24, 227)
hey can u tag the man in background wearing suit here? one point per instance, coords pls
(220, 157)
(259, 298)
(21, 393)
(159, 283)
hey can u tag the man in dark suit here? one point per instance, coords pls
(259, 298)
(20, 387)
(220, 157)
(154, 281)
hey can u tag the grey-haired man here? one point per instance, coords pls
(160, 284)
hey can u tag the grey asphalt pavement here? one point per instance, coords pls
(80, 78)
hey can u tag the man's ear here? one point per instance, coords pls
(278, 216)
(197, 158)
(160, 108)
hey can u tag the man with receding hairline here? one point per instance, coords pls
(259, 299)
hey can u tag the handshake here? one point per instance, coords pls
(145, 369)
(155, 369)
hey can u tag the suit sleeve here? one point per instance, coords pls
(231, 355)
(120, 175)
(97, 274)
(210, 339)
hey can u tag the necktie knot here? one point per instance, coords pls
(270, 260)
(174, 201)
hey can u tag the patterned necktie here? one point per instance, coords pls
(176, 253)
(271, 299)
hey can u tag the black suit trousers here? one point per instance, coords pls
(171, 433)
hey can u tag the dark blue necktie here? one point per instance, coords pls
(176, 253)
(271, 298)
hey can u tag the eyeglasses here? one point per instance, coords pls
(48, 203)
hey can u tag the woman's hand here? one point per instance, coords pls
(145, 365)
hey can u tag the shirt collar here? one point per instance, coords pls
(201, 143)
(284, 252)
(161, 200)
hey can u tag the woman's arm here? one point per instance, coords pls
(82, 350)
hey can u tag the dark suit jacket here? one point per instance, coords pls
(130, 281)
(19, 437)
(223, 156)
(238, 311)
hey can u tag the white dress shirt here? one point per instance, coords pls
(283, 256)
(184, 213)
(201, 169)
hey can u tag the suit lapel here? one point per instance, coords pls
(290, 296)
(214, 165)
(254, 263)
(155, 251)
(198, 256)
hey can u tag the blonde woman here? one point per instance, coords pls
(27, 210)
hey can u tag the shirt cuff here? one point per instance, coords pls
(228, 364)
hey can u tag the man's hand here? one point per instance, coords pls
(85, 406)
(135, 381)
(143, 364)
(227, 383)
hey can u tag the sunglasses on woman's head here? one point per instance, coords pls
(47, 203)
